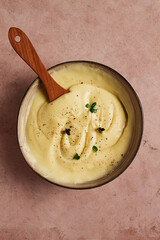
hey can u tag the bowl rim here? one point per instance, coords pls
(140, 137)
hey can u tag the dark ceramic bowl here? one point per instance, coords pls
(137, 128)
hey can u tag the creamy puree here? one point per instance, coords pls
(52, 149)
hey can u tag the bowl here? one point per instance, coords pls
(137, 127)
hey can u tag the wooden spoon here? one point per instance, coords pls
(23, 46)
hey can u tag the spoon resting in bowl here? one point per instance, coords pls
(24, 48)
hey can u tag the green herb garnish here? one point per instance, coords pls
(93, 105)
(92, 109)
(76, 156)
(87, 105)
(94, 148)
(100, 130)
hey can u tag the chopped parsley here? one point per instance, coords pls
(76, 156)
(94, 148)
(100, 130)
(92, 109)
(93, 105)
(87, 105)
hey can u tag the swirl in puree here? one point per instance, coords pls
(82, 135)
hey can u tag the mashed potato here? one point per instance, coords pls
(82, 135)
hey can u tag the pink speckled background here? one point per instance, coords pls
(125, 35)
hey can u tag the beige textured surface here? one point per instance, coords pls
(123, 35)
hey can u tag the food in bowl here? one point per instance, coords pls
(83, 135)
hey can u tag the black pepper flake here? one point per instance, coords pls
(122, 155)
(67, 131)
(100, 130)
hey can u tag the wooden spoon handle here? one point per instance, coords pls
(23, 46)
